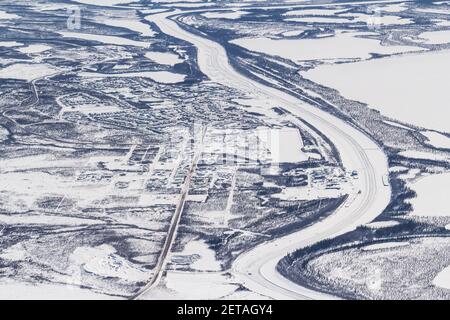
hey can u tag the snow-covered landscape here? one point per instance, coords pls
(173, 150)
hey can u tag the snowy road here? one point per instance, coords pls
(256, 268)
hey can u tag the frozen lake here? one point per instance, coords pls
(416, 95)
(343, 45)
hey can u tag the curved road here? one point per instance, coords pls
(256, 268)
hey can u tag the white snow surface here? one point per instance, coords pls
(256, 268)
(105, 3)
(398, 125)
(433, 11)
(165, 58)
(382, 20)
(382, 224)
(105, 39)
(34, 48)
(207, 259)
(262, 106)
(437, 139)
(313, 12)
(318, 20)
(413, 95)
(21, 291)
(7, 16)
(176, 1)
(413, 154)
(188, 285)
(104, 261)
(158, 76)
(307, 193)
(436, 37)
(3, 133)
(384, 245)
(396, 7)
(133, 25)
(285, 144)
(233, 15)
(26, 219)
(344, 45)
(15, 252)
(25, 71)
(442, 279)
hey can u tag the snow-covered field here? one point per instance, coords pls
(104, 2)
(311, 20)
(212, 55)
(3, 134)
(382, 20)
(437, 140)
(34, 48)
(233, 15)
(21, 291)
(164, 58)
(433, 11)
(7, 16)
(382, 224)
(426, 155)
(390, 270)
(23, 71)
(177, 1)
(158, 76)
(436, 37)
(262, 106)
(443, 23)
(391, 86)
(95, 160)
(10, 44)
(344, 45)
(105, 39)
(385, 245)
(432, 196)
(187, 285)
(40, 219)
(393, 8)
(285, 145)
(344, 18)
(313, 12)
(443, 279)
(104, 261)
(295, 194)
(133, 25)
